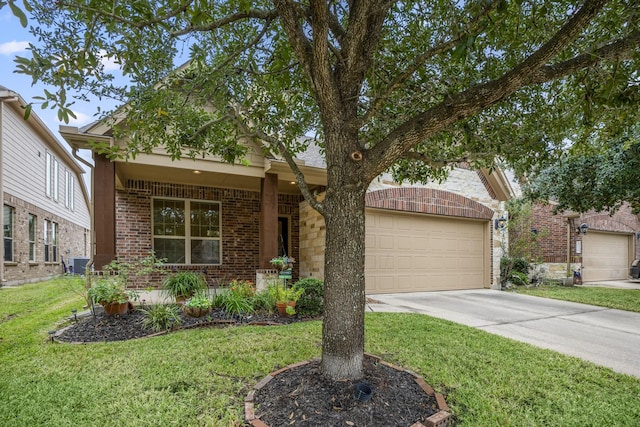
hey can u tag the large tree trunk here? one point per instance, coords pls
(344, 293)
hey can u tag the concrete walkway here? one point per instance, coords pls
(603, 336)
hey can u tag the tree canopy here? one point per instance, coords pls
(601, 175)
(413, 86)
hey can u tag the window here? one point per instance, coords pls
(69, 189)
(8, 232)
(50, 241)
(187, 231)
(56, 177)
(47, 174)
(32, 237)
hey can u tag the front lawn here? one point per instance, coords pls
(200, 377)
(621, 299)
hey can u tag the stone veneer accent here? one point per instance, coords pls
(240, 226)
(73, 241)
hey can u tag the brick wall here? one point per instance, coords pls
(73, 241)
(240, 219)
(552, 237)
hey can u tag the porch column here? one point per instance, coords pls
(268, 219)
(104, 224)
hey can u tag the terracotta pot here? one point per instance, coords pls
(116, 308)
(282, 307)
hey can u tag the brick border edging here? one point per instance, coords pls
(442, 418)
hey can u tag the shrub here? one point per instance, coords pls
(509, 267)
(199, 300)
(242, 288)
(161, 317)
(311, 302)
(264, 301)
(234, 303)
(110, 290)
(184, 284)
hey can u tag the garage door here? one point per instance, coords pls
(412, 252)
(605, 256)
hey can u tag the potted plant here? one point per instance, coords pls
(198, 305)
(110, 292)
(286, 299)
(183, 284)
(282, 263)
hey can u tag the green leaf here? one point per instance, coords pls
(27, 111)
(18, 13)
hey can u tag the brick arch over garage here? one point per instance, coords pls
(427, 201)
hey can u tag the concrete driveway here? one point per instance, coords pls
(603, 336)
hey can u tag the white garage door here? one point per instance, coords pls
(412, 252)
(605, 256)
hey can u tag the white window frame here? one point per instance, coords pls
(48, 166)
(10, 219)
(69, 189)
(187, 227)
(32, 227)
(50, 241)
(56, 179)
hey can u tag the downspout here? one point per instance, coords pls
(91, 209)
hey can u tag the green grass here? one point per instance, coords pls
(621, 299)
(200, 377)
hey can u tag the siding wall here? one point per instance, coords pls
(24, 147)
(23, 154)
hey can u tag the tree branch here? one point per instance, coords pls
(267, 15)
(290, 22)
(477, 98)
(420, 60)
(300, 179)
(424, 158)
(135, 24)
(619, 50)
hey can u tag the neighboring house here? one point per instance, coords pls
(598, 245)
(45, 203)
(228, 221)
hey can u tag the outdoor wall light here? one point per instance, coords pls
(582, 229)
(500, 223)
(638, 235)
(534, 231)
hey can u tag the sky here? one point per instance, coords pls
(14, 40)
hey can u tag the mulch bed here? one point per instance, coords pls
(129, 326)
(298, 395)
(301, 396)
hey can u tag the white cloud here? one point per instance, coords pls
(9, 48)
(108, 62)
(81, 119)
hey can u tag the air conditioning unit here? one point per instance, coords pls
(78, 265)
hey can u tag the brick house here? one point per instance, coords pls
(228, 221)
(45, 212)
(599, 245)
